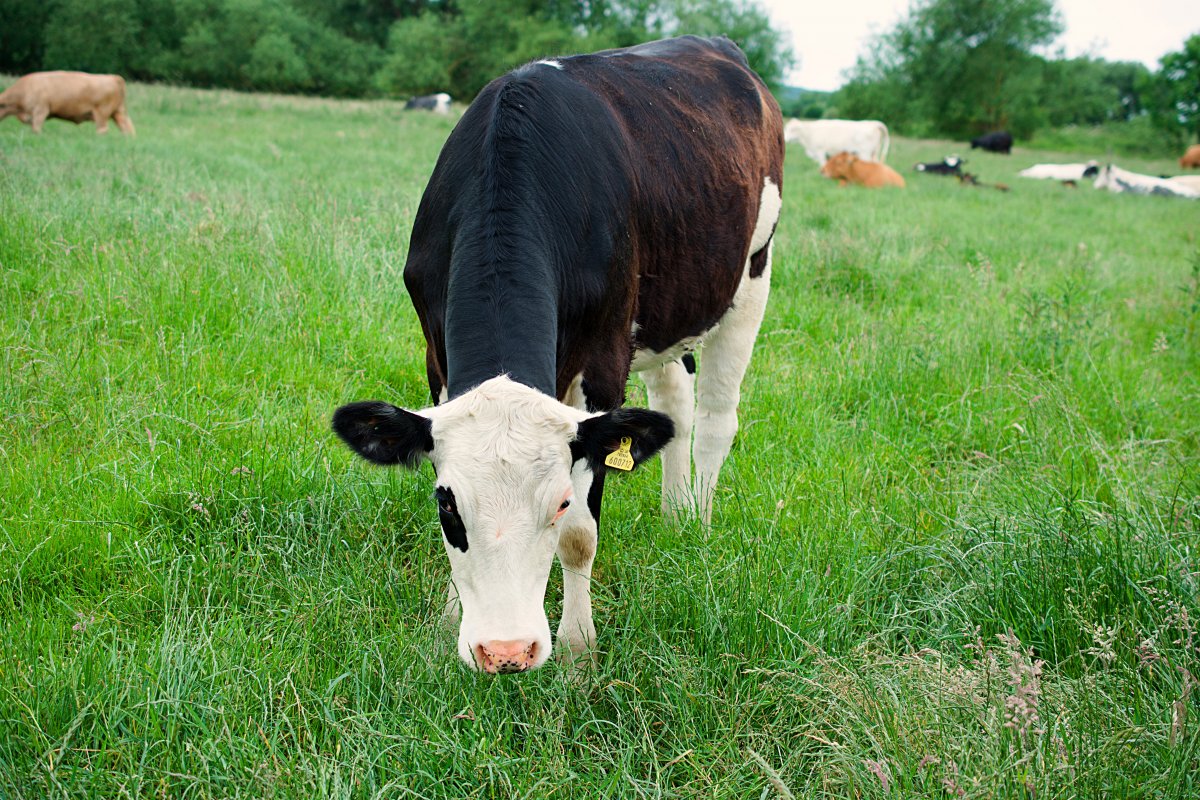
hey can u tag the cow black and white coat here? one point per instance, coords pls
(438, 103)
(1122, 181)
(589, 216)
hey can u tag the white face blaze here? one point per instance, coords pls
(503, 451)
(515, 472)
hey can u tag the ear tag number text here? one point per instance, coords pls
(620, 458)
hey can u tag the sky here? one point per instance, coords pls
(828, 36)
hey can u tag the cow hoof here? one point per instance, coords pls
(577, 661)
(678, 512)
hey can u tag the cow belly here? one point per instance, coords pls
(769, 205)
(644, 358)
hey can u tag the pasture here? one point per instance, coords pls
(953, 552)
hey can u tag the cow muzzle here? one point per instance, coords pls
(506, 655)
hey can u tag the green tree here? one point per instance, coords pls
(419, 56)
(1175, 91)
(74, 40)
(22, 35)
(275, 64)
(957, 67)
(1091, 91)
(748, 24)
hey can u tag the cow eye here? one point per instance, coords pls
(565, 504)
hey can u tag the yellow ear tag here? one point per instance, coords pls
(620, 458)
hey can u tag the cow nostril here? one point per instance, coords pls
(505, 656)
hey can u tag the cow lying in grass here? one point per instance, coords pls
(73, 96)
(1061, 172)
(848, 168)
(1120, 180)
(950, 165)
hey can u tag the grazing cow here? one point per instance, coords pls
(996, 142)
(1062, 172)
(1116, 179)
(588, 216)
(849, 168)
(821, 138)
(1190, 157)
(437, 103)
(950, 165)
(73, 96)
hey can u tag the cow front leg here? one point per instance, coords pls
(576, 631)
(726, 357)
(38, 118)
(101, 120)
(576, 636)
(121, 117)
(670, 389)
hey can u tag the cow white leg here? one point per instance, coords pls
(726, 356)
(670, 389)
(576, 552)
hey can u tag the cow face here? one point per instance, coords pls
(513, 469)
(839, 165)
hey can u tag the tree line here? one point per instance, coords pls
(356, 48)
(957, 68)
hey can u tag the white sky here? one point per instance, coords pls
(828, 36)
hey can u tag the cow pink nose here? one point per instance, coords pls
(506, 655)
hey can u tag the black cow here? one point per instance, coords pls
(996, 142)
(588, 216)
(950, 165)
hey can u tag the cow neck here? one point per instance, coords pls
(502, 298)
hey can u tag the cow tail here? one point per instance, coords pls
(887, 141)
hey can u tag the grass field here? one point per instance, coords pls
(954, 550)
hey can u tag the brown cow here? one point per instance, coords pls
(1191, 158)
(73, 96)
(849, 168)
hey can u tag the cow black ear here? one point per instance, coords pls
(597, 437)
(383, 433)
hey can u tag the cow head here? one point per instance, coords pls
(513, 470)
(838, 165)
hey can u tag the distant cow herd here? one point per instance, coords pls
(83, 97)
(848, 151)
(853, 152)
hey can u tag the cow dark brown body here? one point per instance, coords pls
(73, 96)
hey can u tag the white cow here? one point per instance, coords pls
(822, 138)
(1116, 179)
(1062, 172)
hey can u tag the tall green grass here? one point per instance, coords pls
(965, 493)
